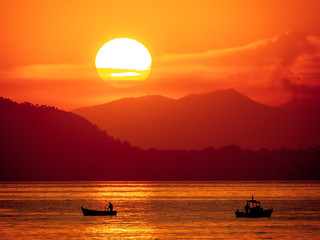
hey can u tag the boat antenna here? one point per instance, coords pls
(252, 196)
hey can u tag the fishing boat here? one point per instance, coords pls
(88, 212)
(253, 209)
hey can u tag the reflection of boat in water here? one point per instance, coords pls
(88, 212)
(253, 210)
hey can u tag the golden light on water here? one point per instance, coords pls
(157, 210)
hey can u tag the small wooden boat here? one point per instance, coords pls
(253, 210)
(88, 212)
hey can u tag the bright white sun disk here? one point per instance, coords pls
(123, 53)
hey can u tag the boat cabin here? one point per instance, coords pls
(252, 206)
(253, 203)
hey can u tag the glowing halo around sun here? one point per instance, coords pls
(123, 62)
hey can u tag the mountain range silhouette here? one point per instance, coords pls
(44, 143)
(215, 119)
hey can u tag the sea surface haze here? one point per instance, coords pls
(158, 210)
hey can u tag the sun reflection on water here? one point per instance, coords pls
(158, 210)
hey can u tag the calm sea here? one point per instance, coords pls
(158, 210)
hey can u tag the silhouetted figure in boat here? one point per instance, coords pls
(247, 208)
(110, 207)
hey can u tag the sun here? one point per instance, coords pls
(123, 62)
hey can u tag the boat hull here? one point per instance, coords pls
(88, 212)
(258, 214)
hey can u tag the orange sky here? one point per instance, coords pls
(268, 50)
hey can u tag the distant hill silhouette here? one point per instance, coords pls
(215, 119)
(49, 143)
(44, 143)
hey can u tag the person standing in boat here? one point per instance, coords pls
(110, 207)
(246, 208)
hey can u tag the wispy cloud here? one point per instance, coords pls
(287, 63)
(49, 72)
